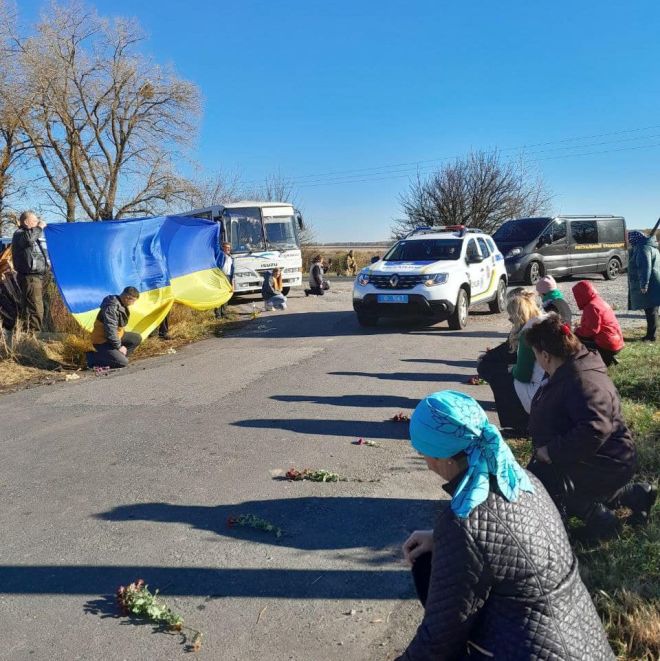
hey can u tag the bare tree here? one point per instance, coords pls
(481, 191)
(105, 122)
(221, 188)
(13, 146)
(275, 188)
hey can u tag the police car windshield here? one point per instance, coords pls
(425, 250)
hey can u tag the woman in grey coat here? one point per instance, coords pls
(644, 279)
(497, 576)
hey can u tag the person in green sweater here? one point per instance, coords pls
(552, 300)
(528, 375)
(509, 369)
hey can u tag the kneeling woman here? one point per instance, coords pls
(497, 576)
(584, 452)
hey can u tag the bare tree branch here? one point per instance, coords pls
(480, 190)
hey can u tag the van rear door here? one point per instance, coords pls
(584, 246)
(612, 235)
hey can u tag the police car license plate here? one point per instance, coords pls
(392, 298)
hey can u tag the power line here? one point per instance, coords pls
(533, 160)
(386, 168)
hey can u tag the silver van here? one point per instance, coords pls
(563, 246)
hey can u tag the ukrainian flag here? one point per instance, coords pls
(168, 259)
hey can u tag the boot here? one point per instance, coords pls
(640, 498)
(89, 359)
(600, 524)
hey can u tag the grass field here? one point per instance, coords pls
(623, 575)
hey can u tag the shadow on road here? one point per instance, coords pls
(309, 523)
(327, 427)
(342, 323)
(368, 401)
(442, 361)
(408, 376)
(210, 582)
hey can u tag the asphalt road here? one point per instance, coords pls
(134, 475)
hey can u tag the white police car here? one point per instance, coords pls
(438, 273)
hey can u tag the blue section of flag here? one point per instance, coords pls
(92, 260)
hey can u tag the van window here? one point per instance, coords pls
(556, 231)
(485, 250)
(584, 231)
(611, 231)
(522, 230)
(491, 245)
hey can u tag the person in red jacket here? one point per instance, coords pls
(598, 328)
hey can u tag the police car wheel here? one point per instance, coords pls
(458, 319)
(499, 303)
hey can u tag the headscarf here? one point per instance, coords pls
(448, 422)
(636, 238)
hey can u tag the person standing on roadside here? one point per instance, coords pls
(644, 279)
(351, 264)
(31, 265)
(228, 270)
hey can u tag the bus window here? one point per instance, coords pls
(243, 227)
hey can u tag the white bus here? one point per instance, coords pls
(262, 235)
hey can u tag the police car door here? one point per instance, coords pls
(476, 268)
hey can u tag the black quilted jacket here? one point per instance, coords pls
(504, 585)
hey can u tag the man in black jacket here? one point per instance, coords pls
(112, 343)
(31, 265)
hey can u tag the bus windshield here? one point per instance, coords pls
(243, 229)
(281, 232)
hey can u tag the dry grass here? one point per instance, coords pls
(623, 575)
(338, 257)
(30, 360)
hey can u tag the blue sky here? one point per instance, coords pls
(309, 87)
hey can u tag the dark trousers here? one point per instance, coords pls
(421, 571)
(10, 301)
(494, 369)
(220, 312)
(578, 489)
(107, 356)
(164, 328)
(607, 355)
(651, 322)
(315, 291)
(32, 300)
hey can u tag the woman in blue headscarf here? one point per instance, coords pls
(644, 279)
(497, 576)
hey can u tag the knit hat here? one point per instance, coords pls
(545, 284)
(636, 238)
(448, 422)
